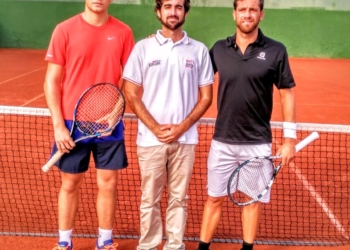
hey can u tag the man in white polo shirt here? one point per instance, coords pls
(175, 74)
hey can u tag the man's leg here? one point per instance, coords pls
(250, 224)
(106, 204)
(106, 197)
(180, 166)
(152, 161)
(251, 213)
(221, 163)
(68, 199)
(72, 167)
(109, 158)
(210, 221)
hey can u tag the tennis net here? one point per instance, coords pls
(310, 202)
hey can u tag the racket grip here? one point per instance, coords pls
(313, 136)
(52, 161)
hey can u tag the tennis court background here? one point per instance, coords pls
(318, 33)
(21, 85)
(307, 32)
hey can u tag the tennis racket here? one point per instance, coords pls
(97, 112)
(252, 179)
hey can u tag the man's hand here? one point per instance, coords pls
(64, 141)
(287, 151)
(169, 133)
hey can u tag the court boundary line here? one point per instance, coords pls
(320, 201)
(16, 77)
(318, 198)
(32, 100)
(191, 239)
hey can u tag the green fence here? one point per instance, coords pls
(305, 32)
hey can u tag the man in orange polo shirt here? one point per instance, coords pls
(86, 49)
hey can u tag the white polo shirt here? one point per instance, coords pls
(170, 74)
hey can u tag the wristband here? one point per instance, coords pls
(290, 130)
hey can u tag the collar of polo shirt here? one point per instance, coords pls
(162, 40)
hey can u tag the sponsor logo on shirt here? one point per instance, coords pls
(154, 63)
(110, 38)
(262, 56)
(48, 55)
(189, 63)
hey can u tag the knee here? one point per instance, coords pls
(178, 203)
(107, 185)
(252, 207)
(215, 201)
(70, 186)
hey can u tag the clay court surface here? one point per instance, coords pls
(322, 92)
(322, 96)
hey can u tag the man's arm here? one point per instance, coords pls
(166, 133)
(174, 131)
(131, 93)
(287, 150)
(52, 89)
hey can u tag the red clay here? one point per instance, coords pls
(25, 243)
(322, 92)
(322, 96)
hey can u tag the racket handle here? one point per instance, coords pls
(52, 161)
(314, 135)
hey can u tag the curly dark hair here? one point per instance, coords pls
(235, 4)
(158, 6)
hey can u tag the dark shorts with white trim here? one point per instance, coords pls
(109, 155)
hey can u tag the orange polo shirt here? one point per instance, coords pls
(90, 54)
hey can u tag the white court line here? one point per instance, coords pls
(31, 100)
(21, 75)
(320, 201)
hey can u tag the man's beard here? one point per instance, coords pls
(171, 26)
(247, 30)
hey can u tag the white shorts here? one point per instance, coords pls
(224, 158)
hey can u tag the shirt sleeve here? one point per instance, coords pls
(211, 53)
(57, 47)
(206, 75)
(133, 68)
(127, 48)
(284, 77)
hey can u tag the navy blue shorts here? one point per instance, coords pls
(109, 155)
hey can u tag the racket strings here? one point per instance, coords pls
(99, 109)
(251, 180)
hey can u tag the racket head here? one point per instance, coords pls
(99, 109)
(251, 180)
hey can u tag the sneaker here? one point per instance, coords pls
(63, 245)
(107, 245)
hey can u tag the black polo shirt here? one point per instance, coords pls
(245, 94)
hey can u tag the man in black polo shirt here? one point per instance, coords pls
(249, 64)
